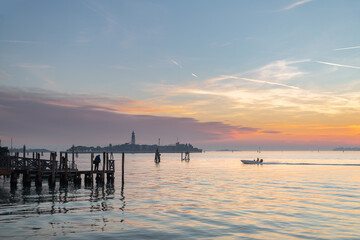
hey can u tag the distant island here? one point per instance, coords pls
(132, 147)
(228, 150)
(136, 148)
(347, 149)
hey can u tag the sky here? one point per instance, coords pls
(280, 75)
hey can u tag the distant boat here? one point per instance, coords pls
(252, 161)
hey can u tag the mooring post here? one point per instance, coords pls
(107, 161)
(24, 160)
(182, 156)
(38, 180)
(122, 169)
(61, 161)
(13, 180)
(92, 163)
(103, 170)
(66, 167)
(26, 179)
(73, 157)
(89, 177)
(53, 168)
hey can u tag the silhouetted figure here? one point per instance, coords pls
(97, 160)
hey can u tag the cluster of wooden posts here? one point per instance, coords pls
(52, 169)
(186, 158)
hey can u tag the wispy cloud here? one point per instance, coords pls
(346, 48)
(295, 4)
(278, 71)
(34, 66)
(194, 75)
(337, 65)
(176, 63)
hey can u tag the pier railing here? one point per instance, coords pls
(21, 163)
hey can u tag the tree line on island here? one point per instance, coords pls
(137, 148)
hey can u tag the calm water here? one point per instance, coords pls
(294, 195)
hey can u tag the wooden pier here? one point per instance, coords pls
(37, 169)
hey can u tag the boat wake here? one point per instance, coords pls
(320, 164)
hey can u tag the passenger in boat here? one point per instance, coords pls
(97, 160)
(261, 160)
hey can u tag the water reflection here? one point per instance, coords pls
(45, 200)
(212, 196)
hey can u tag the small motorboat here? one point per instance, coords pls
(252, 161)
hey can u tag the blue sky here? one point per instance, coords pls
(191, 59)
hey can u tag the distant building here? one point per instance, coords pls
(133, 138)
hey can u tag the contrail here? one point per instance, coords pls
(338, 65)
(176, 63)
(271, 83)
(347, 48)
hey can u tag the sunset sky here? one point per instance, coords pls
(282, 75)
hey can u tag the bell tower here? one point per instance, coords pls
(133, 137)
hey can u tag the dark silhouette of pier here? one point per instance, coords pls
(57, 167)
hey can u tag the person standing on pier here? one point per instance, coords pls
(97, 160)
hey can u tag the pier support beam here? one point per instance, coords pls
(13, 180)
(38, 178)
(88, 179)
(26, 179)
(77, 179)
(52, 179)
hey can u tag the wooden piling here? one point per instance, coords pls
(66, 167)
(89, 177)
(38, 179)
(52, 179)
(107, 161)
(61, 161)
(13, 179)
(24, 160)
(187, 156)
(103, 170)
(122, 169)
(157, 156)
(73, 157)
(92, 162)
(26, 179)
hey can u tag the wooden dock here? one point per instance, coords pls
(53, 169)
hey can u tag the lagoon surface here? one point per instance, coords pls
(294, 195)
